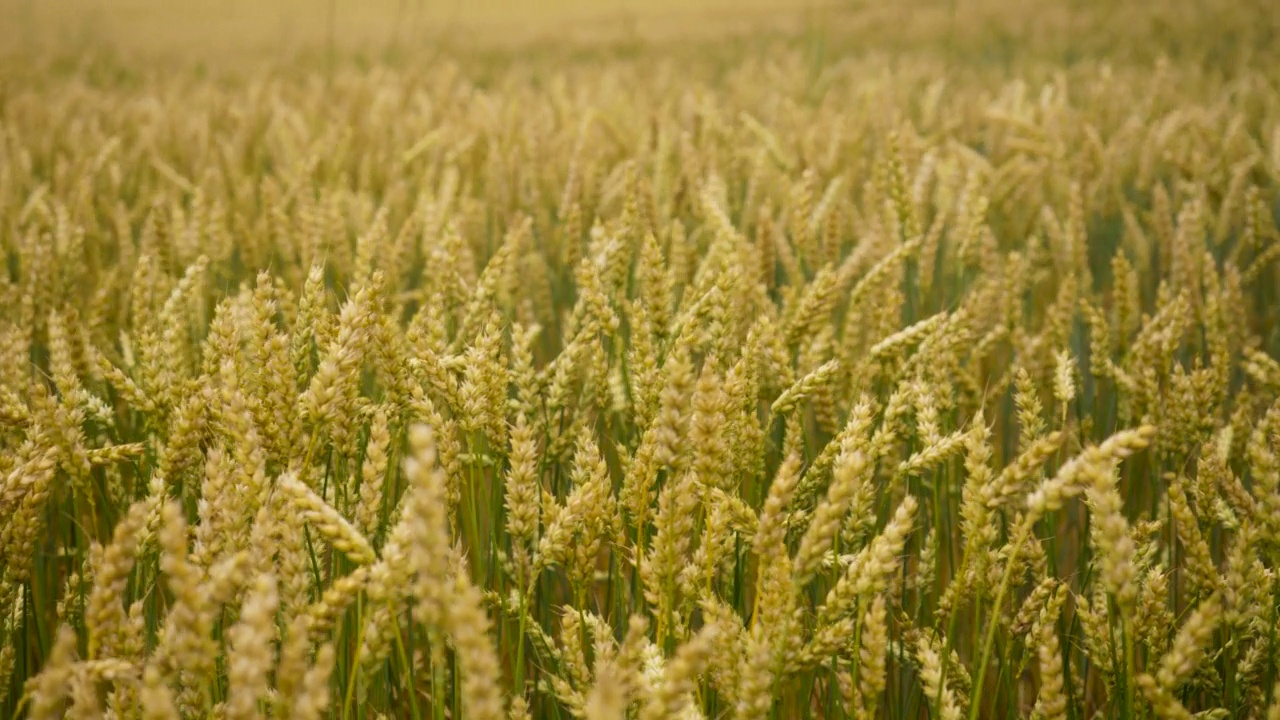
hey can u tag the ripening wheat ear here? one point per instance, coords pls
(428, 526)
(869, 571)
(328, 522)
(1051, 701)
(315, 696)
(373, 475)
(251, 649)
(105, 614)
(672, 692)
(48, 689)
(156, 698)
(186, 647)
(1180, 662)
(447, 602)
(850, 473)
(521, 496)
(940, 696)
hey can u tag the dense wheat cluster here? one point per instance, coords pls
(760, 384)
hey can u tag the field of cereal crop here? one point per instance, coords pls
(639, 360)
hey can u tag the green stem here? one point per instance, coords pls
(976, 704)
(518, 687)
(1130, 664)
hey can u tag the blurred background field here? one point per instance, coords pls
(1222, 34)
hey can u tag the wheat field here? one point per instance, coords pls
(818, 363)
